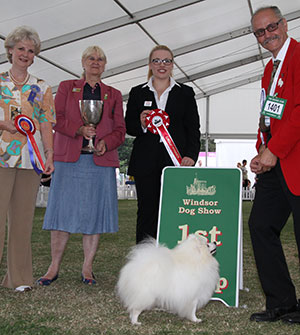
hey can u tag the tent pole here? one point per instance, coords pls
(207, 129)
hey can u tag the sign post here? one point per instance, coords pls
(205, 201)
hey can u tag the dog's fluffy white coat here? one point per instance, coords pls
(180, 280)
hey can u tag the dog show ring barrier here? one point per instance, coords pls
(125, 192)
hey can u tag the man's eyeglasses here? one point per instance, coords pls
(271, 27)
(166, 61)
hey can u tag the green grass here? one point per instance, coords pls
(69, 307)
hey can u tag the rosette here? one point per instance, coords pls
(157, 122)
(26, 126)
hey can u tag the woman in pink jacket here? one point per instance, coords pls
(83, 193)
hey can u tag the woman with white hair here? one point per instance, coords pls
(22, 93)
(83, 192)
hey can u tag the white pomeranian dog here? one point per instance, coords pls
(180, 280)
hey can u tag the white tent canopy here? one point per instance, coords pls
(214, 49)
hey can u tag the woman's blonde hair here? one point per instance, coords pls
(89, 51)
(19, 34)
(156, 48)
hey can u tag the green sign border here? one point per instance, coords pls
(208, 212)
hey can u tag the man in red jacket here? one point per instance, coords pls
(278, 164)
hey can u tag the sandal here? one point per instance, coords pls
(43, 281)
(89, 281)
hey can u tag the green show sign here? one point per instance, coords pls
(205, 201)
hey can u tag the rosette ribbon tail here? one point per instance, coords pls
(157, 122)
(32, 147)
(26, 127)
(170, 145)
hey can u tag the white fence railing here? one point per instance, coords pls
(42, 196)
(248, 194)
(125, 192)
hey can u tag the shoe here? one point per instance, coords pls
(43, 281)
(23, 288)
(292, 317)
(275, 314)
(88, 281)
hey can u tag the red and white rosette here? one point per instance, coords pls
(26, 126)
(157, 122)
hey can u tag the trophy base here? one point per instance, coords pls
(88, 149)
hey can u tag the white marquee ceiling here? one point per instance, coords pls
(211, 39)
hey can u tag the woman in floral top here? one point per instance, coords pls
(22, 93)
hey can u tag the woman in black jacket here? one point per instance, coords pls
(149, 155)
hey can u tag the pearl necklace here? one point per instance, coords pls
(18, 83)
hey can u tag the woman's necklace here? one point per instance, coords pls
(16, 82)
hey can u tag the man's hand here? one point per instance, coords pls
(268, 160)
(255, 165)
(263, 162)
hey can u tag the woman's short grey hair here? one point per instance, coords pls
(19, 34)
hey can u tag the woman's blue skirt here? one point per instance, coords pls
(82, 198)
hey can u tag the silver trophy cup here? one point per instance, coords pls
(91, 113)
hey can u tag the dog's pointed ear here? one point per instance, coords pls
(201, 238)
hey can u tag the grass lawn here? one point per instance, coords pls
(70, 307)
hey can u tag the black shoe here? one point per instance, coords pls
(292, 317)
(275, 314)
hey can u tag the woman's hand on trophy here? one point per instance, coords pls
(100, 148)
(87, 132)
